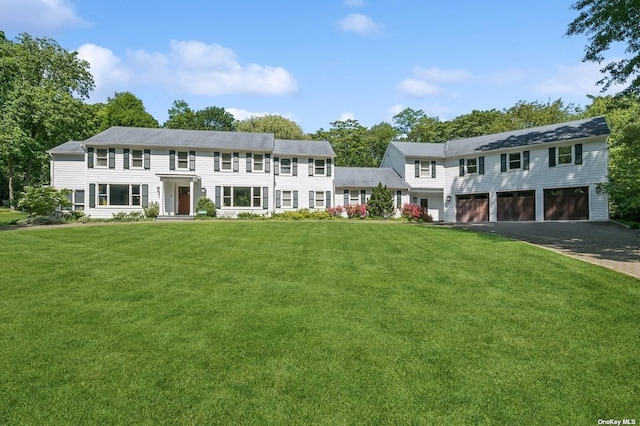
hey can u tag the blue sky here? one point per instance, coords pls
(318, 61)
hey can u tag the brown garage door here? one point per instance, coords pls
(472, 208)
(566, 203)
(517, 205)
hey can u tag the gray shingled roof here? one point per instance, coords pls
(140, 136)
(419, 149)
(71, 147)
(368, 177)
(536, 135)
(311, 148)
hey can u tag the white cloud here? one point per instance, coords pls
(347, 116)
(428, 81)
(509, 75)
(107, 70)
(359, 24)
(38, 16)
(354, 3)
(393, 111)
(577, 79)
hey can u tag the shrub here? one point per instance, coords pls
(39, 220)
(152, 210)
(301, 214)
(357, 211)
(380, 204)
(205, 204)
(250, 215)
(414, 212)
(335, 211)
(42, 200)
(128, 217)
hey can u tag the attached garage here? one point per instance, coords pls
(566, 203)
(472, 208)
(516, 205)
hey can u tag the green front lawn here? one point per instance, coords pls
(336, 322)
(8, 217)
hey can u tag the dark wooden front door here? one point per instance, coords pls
(184, 200)
(472, 208)
(566, 203)
(424, 203)
(517, 205)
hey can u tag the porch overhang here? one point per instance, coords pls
(192, 177)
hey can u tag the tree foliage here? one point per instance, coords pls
(181, 116)
(380, 205)
(42, 200)
(351, 143)
(281, 127)
(42, 87)
(125, 109)
(605, 22)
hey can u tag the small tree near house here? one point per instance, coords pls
(380, 204)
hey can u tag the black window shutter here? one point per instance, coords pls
(172, 160)
(327, 202)
(249, 162)
(503, 163)
(145, 195)
(276, 166)
(265, 197)
(92, 195)
(147, 159)
(363, 196)
(578, 153)
(192, 160)
(433, 169)
(311, 199)
(461, 167)
(552, 157)
(217, 201)
(216, 161)
(328, 166)
(481, 165)
(310, 166)
(294, 167)
(417, 166)
(346, 198)
(126, 157)
(525, 160)
(112, 158)
(398, 199)
(236, 161)
(267, 163)
(295, 199)
(278, 199)
(90, 158)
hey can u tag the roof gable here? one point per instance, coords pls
(368, 177)
(296, 147)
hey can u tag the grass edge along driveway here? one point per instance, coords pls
(333, 322)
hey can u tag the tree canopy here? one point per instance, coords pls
(125, 109)
(181, 116)
(605, 22)
(281, 127)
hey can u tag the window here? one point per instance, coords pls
(354, 197)
(258, 162)
(319, 199)
(425, 170)
(285, 166)
(287, 200)
(472, 165)
(319, 167)
(78, 201)
(183, 160)
(564, 155)
(101, 157)
(242, 196)
(226, 161)
(136, 158)
(103, 198)
(115, 195)
(514, 160)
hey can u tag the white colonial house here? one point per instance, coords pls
(544, 173)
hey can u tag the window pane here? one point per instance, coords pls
(285, 166)
(564, 155)
(102, 194)
(286, 198)
(241, 196)
(472, 165)
(257, 162)
(226, 161)
(354, 197)
(424, 168)
(101, 157)
(137, 158)
(257, 196)
(319, 201)
(514, 161)
(79, 197)
(135, 195)
(183, 160)
(319, 167)
(119, 195)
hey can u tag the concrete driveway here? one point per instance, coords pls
(603, 243)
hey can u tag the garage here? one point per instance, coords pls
(566, 203)
(516, 205)
(472, 208)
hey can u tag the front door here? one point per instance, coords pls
(424, 203)
(184, 200)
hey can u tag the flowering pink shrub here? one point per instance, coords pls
(335, 211)
(357, 211)
(417, 213)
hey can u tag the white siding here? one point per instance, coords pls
(303, 183)
(395, 159)
(67, 171)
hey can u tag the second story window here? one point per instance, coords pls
(285, 166)
(425, 169)
(514, 160)
(565, 155)
(102, 157)
(136, 158)
(183, 160)
(319, 167)
(226, 161)
(258, 162)
(472, 165)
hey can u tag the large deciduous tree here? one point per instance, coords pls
(125, 109)
(350, 141)
(42, 87)
(605, 22)
(281, 127)
(181, 116)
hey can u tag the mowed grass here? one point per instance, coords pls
(8, 217)
(309, 323)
